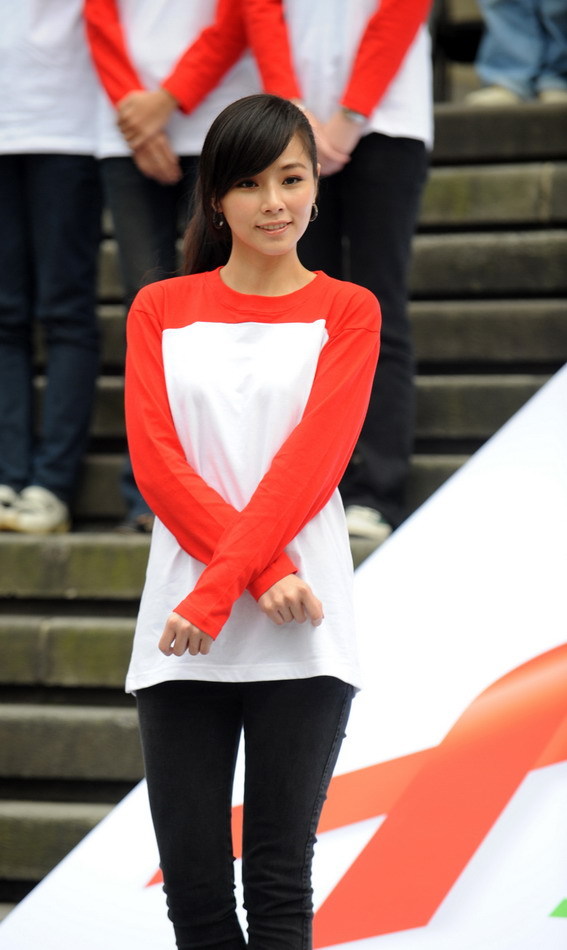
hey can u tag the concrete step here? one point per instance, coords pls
(434, 395)
(508, 264)
(532, 194)
(445, 331)
(93, 566)
(451, 265)
(490, 332)
(470, 407)
(37, 835)
(64, 742)
(69, 652)
(525, 133)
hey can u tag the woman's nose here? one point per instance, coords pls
(272, 200)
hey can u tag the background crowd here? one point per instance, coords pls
(120, 94)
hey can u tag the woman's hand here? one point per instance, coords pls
(331, 159)
(143, 113)
(291, 599)
(179, 636)
(156, 159)
(342, 133)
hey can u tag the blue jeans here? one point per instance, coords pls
(190, 735)
(524, 47)
(147, 219)
(367, 217)
(50, 208)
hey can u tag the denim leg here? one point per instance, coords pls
(16, 317)
(147, 217)
(293, 732)
(190, 734)
(65, 210)
(553, 75)
(511, 51)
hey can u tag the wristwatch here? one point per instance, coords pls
(353, 116)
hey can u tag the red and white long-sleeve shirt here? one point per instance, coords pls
(372, 56)
(242, 414)
(192, 48)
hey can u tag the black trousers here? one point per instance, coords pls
(367, 217)
(190, 735)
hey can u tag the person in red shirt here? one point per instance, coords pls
(162, 66)
(247, 381)
(362, 72)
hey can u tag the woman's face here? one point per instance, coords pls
(268, 213)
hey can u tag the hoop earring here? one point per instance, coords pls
(314, 213)
(218, 220)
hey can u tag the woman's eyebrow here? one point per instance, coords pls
(290, 165)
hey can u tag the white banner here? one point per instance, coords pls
(445, 826)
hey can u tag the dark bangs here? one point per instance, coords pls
(247, 137)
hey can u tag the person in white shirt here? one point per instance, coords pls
(49, 230)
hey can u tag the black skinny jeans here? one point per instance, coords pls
(190, 734)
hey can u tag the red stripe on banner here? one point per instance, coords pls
(442, 816)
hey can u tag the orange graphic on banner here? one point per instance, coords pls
(401, 877)
(440, 803)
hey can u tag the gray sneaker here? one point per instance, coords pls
(367, 524)
(37, 511)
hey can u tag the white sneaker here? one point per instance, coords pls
(493, 96)
(367, 524)
(8, 500)
(37, 511)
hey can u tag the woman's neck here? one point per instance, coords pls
(267, 276)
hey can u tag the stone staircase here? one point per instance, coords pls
(489, 284)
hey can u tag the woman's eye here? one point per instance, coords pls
(246, 183)
(292, 180)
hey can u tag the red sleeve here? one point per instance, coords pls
(304, 472)
(108, 49)
(384, 44)
(213, 53)
(269, 41)
(193, 511)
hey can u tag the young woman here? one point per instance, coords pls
(246, 388)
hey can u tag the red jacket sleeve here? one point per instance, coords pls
(109, 50)
(383, 47)
(213, 53)
(269, 41)
(304, 472)
(193, 511)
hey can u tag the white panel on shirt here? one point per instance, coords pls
(48, 87)
(239, 389)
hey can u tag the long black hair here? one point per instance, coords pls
(244, 139)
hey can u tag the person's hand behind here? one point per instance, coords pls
(142, 113)
(330, 158)
(342, 133)
(156, 159)
(291, 599)
(180, 636)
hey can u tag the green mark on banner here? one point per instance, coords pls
(560, 910)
